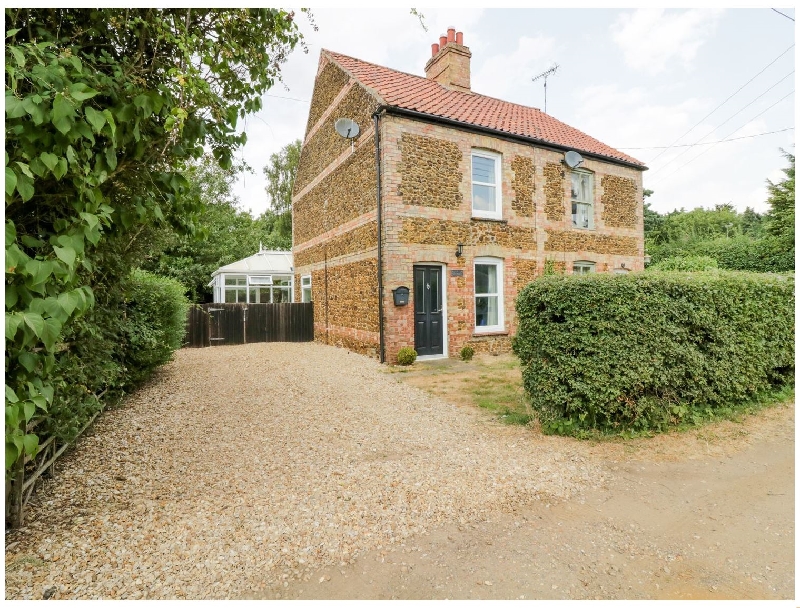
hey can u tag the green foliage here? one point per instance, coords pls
(780, 219)
(156, 323)
(224, 232)
(421, 18)
(467, 352)
(550, 268)
(752, 224)
(103, 108)
(650, 350)
(406, 356)
(689, 263)
(767, 254)
(737, 241)
(280, 172)
(699, 224)
(652, 221)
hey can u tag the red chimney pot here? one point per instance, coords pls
(451, 34)
(460, 38)
(434, 49)
(442, 40)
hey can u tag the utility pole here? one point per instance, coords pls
(544, 75)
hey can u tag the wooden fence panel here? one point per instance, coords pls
(303, 323)
(220, 324)
(257, 316)
(227, 323)
(197, 327)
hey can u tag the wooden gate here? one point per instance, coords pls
(218, 324)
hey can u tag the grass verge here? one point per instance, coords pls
(492, 383)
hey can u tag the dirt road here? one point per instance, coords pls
(714, 527)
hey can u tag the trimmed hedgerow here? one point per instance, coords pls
(687, 263)
(156, 322)
(643, 352)
(767, 254)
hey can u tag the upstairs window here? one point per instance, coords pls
(582, 199)
(486, 185)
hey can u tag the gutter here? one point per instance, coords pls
(376, 119)
(498, 134)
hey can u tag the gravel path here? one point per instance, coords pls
(241, 469)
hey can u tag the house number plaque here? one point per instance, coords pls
(456, 273)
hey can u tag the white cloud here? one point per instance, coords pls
(629, 117)
(651, 38)
(701, 176)
(531, 56)
(708, 175)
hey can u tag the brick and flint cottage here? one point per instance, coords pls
(458, 197)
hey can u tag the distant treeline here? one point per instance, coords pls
(737, 241)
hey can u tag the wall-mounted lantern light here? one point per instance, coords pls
(400, 296)
(459, 250)
(647, 259)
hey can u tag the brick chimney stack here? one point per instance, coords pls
(449, 64)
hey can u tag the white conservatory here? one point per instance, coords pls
(263, 278)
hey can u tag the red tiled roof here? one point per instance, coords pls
(420, 94)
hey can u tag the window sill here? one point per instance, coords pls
(497, 332)
(477, 218)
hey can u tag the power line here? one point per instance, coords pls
(724, 102)
(292, 98)
(661, 168)
(726, 139)
(780, 13)
(708, 143)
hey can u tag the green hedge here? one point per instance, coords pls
(155, 323)
(135, 326)
(688, 263)
(768, 254)
(648, 350)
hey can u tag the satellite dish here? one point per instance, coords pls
(573, 159)
(346, 128)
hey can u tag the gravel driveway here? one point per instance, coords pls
(240, 469)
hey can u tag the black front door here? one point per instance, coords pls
(428, 329)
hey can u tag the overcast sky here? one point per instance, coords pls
(635, 79)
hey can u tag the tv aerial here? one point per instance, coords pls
(573, 159)
(348, 129)
(544, 75)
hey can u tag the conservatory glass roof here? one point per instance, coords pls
(263, 262)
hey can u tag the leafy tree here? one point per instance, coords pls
(224, 233)
(103, 108)
(280, 172)
(780, 218)
(653, 221)
(752, 223)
